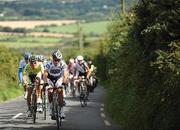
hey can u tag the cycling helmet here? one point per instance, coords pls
(57, 55)
(40, 58)
(71, 60)
(80, 58)
(33, 59)
(27, 55)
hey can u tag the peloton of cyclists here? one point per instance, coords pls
(55, 70)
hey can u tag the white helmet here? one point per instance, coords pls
(71, 60)
(80, 57)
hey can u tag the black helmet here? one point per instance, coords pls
(33, 59)
(57, 55)
(27, 55)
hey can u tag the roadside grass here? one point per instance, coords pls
(87, 28)
(9, 92)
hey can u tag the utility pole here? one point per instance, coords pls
(122, 7)
(80, 35)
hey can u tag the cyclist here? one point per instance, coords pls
(40, 58)
(71, 66)
(93, 80)
(55, 72)
(22, 64)
(33, 70)
(71, 70)
(81, 69)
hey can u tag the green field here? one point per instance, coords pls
(28, 41)
(87, 28)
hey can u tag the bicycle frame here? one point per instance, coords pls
(57, 103)
(45, 102)
(83, 92)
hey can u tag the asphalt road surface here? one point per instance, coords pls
(13, 115)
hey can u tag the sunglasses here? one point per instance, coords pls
(33, 63)
(56, 60)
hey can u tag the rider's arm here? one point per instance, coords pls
(88, 72)
(65, 71)
(20, 70)
(91, 68)
(24, 77)
(20, 74)
(65, 76)
(45, 75)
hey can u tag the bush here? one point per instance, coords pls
(143, 64)
(8, 73)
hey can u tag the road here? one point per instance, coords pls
(13, 115)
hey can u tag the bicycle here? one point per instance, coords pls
(83, 92)
(57, 104)
(34, 100)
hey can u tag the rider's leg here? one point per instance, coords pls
(50, 98)
(25, 92)
(61, 94)
(76, 84)
(38, 88)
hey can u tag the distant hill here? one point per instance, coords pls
(92, 10)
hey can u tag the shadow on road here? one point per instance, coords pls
(77, 117)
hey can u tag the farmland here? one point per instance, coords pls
(87, 28)
(33, 23)
(62, 36)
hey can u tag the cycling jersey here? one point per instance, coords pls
(91, 67)
(81, 69)
(34, 72)
(71, 68)
(55, 72)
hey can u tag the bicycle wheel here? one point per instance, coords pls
(73, 88)
(59, 104)
(34, 106)
(86, 95)
(44, 105)
(82, 95)
(58, 121)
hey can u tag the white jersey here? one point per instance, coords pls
(22, 63)
(55, 72)
(81, 69)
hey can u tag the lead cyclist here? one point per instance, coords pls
(55, 70)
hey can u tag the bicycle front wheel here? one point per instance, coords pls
(44, 105)
(34, 107)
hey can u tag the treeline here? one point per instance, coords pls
(9, 62)
(141, 62)
(90, 10)
(15, 30)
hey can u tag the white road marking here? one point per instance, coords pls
(16, 116)
(107, 123)
(101, 109)
(102, 105)
(103, 115)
